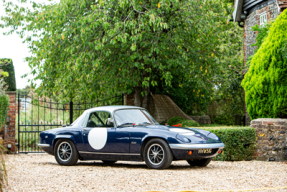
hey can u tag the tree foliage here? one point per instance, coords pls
(228, 96)
(7, 66)
(86, 48)
(265, 82)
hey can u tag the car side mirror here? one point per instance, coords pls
(110, 122)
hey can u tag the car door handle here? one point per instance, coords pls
(85, 129)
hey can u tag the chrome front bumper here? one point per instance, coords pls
(190, 146)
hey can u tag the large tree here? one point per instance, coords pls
(85, 48)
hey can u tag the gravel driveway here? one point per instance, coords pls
(40, 172)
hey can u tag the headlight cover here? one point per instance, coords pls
(182, 138)
(212, 136)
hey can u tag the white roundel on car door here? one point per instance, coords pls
(98, 138)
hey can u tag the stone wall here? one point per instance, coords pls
(204, 119)
(9, 128)
(272, 10)
(271, 139)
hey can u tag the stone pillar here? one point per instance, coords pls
(271, 139)
(9, 130)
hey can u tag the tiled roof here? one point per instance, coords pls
(282, 4)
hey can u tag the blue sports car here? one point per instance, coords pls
(128, 133)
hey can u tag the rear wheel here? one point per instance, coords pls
(157, 154)
(108, 162)
(199, 162)
(66, 152)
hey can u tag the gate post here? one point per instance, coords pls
(71, 112)
(9, 130)
(18, 110)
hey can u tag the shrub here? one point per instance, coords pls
(175, 120)
(189, 123)
(7, 66)
(265, 82)
(4, 105)
(239, 143)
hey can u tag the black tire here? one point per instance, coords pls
(160, 159)
(108, 162)
(199, 162)
(64, 158)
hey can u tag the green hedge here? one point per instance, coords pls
(7, 66)
(239, 142)
(4, 105)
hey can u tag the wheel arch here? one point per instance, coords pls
(68, 137)
(147, 139)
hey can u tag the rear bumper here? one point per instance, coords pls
(180, 151)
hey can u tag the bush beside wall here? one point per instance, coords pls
(265, 82)
(175, 120)
(184, 122)
(7, 66)
(239, 143)
(4, 105)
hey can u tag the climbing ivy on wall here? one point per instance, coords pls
(4, 105)
(265, 83)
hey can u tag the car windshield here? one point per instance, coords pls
(128, 117)
(78, 120)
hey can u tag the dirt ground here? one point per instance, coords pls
(40, 172)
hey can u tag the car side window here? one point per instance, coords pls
(99, 119)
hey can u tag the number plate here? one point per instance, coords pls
(204, 150)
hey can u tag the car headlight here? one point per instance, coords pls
(182, 138)
(212, 136)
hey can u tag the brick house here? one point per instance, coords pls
(248, 13)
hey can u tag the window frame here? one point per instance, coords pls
(141, 109)
(263, 19)
(88, 117)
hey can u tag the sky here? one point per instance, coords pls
(11, 46)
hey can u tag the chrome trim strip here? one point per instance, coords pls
(43, 145)
(98, 153)
(197, 146)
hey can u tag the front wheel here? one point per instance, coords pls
(157, 154)
(66, 152)
(199, 162)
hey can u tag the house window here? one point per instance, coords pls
(263, 19)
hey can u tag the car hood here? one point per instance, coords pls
(195, 135)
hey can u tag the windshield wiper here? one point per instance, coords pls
(145, 123)
(125, 124)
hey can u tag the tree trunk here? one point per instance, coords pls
(146, 97)
(138, 97)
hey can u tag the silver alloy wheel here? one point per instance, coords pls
(64, 151)
(155, 154)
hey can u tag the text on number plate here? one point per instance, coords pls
(204, 151)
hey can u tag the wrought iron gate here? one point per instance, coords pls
(37, 114)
